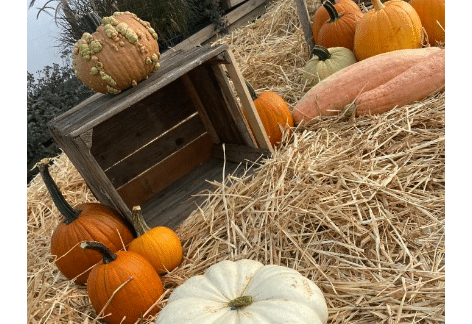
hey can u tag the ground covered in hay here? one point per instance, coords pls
(357, 206)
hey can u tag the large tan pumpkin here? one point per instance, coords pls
(122, 52)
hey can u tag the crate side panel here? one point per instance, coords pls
(163, 174)
(212, 98)
(124, 133)
(156, 151)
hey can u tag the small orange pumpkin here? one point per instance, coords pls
(273, 111)
(124, 279)
(88, 221)
(433, 18)
(389, 26)
(338, 30)
(159, 245)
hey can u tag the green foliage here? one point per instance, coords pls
(54, 91)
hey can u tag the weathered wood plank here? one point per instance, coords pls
(163, 174)
(124, 133)
(200, 108)
(172, 206)
(156, 151)
(101, 187)
(248, 105)
(212, 98)
(233, 106)
(305, 21)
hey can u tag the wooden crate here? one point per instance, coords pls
(156, 144)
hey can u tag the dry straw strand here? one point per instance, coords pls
(357, 206)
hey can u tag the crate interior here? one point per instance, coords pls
(160, 151)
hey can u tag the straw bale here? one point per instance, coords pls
(358, 205)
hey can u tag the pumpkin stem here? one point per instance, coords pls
(240, 302)
(252, 92)
(138, 221)
(333, 13)
(322, 52)
(66, 210)
(378, 5)
(107, 255)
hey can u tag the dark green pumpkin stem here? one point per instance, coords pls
(322, 52)
(107, 255)
(333, 13)
(138, 221)
(66, 210)
(240, 302)
(252, 92)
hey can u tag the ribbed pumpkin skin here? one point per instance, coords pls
(273, 110)
(321, 15)
(123, 63)
(431, 11)
(394, 26)
(161, 247)
(339, 33)
(96, 222)
(134, 298)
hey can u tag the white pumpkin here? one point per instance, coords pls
(248, 292)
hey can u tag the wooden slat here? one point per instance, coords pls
(247, 103)
(101, 187)
(200, 108)
(306, 23)
(233, 106)
(124, 133)
(180, 199)
(206, 85)
(163, 174)
(156, 151)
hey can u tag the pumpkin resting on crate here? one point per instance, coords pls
(122, 52)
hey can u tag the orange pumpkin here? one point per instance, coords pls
(389, 26)
(124, 279)
(273, 112)
(433, 18)
(88, 221)
(321, 14)
(159, 245)
(339, 29)
(122, 52)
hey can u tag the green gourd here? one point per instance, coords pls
(324, 63)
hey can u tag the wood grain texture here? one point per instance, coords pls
(248, 104)
(166, 172)
(306, 23)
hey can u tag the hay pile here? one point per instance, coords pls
(356, 206)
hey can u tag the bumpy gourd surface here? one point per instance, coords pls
(278, 294)
(122, 52)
